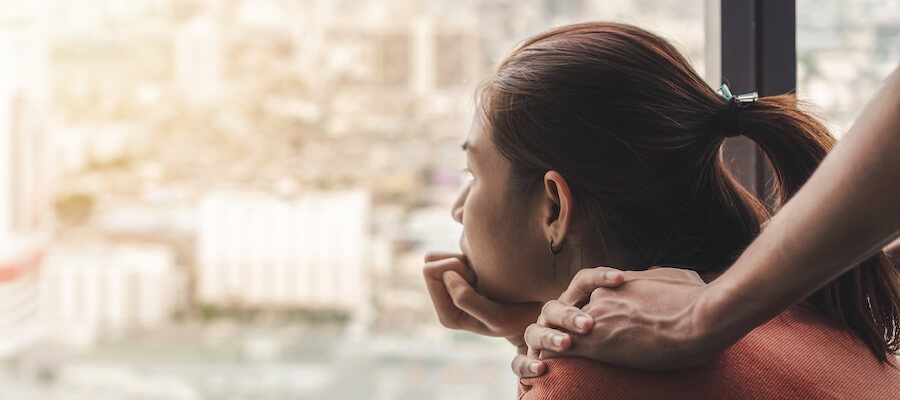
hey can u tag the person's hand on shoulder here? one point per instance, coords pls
(649, 322)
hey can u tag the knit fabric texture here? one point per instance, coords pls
(797, 355)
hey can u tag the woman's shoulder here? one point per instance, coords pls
(579, 378)
(576, 378)
(798, 354)
(802, 345)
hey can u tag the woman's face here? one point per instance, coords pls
(502, 237)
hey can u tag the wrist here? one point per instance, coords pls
(696, 336)
(714, 318)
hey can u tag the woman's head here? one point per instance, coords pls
(507, 235)
(631, 134)
(601, 138)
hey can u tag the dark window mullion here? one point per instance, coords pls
(758, 53)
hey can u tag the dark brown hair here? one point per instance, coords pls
(637, 135)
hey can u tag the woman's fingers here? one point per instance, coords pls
(450, 284)
(467, 299)
(449, 314)
(545, 354)
(677, 274)
(527, 367)
(586, 280)
(440, 255)
(533, 352)
(459, 265)
(539, 338)
(502, 319)
(561, 315)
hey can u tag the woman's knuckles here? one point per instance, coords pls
(456, 286)
(440, 255)
(462, 297)
(435, 269)
(467, 300)
(446, 321)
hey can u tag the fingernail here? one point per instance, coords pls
(612, 275)
(556, 340)
(533, 367)
(581, 321)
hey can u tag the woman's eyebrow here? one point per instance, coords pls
(466, 146)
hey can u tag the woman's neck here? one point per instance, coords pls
(576, 258)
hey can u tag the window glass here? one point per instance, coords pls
(845, 49)
(208, 199)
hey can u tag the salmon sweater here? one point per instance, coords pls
(797, 355)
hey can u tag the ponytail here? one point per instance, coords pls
(637, 134)
(867, 298)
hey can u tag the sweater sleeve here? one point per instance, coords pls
(575, 378)
(797, 355)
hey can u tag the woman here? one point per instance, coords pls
(597, 144)
(846, 213)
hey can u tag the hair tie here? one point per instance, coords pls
(735, 104)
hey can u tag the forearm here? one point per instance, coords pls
(847, 211)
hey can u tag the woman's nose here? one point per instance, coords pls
(458, 205)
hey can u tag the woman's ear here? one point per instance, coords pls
(556, 204)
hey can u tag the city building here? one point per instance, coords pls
(256, 249)
(24, 179)
(98, 290)
(197, 58)
(20, 323)
(185, 136)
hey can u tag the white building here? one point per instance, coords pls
(24, 201)
(107, 290)
(255, 249)
(24, 183)
(198, 59)
(367, 62)
(20, 325)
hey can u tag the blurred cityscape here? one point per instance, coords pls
(845, 49)
(231, 199)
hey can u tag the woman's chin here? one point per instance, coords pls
(496, 292)
(502, 289)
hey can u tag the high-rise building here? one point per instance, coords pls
(198, 59)
(255, 249)
(24, 183)
(20, 324)
(23, 150)
(109, 289)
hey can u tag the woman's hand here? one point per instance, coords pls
(450, 283)
(649, 322)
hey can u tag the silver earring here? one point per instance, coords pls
(554, 253)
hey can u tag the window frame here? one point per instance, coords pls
(752, 46)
